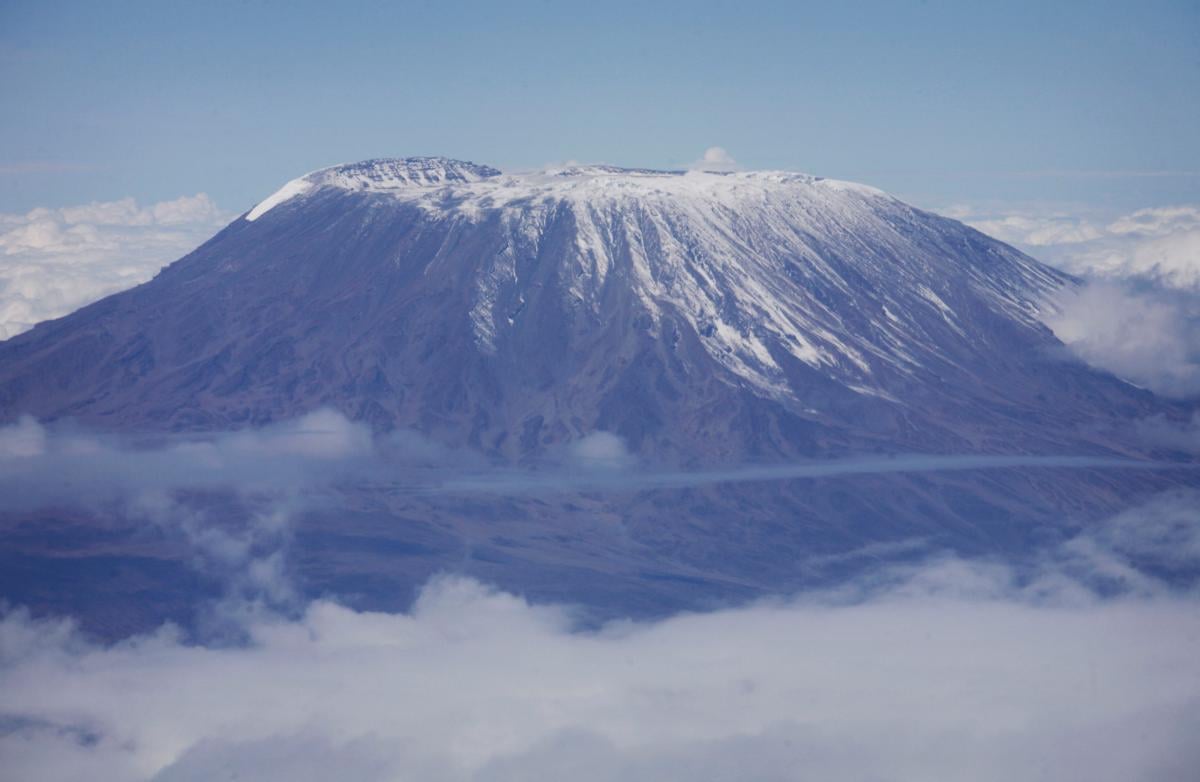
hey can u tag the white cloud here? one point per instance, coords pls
(715, 159)
(1159, 244)
(1160, 221)
(1040, 230)
(53, 261)
(40, 465)
(22, 440)
(949, 672)
(1148, 336)
(1172, 260)
(321, 434)
(1138, 314)
(1164, 532)
(943, 669)
(600, 450)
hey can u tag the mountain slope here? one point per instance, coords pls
(512, 312)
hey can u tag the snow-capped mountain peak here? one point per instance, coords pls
(771, 269)
(562, 294)
(423, 178)
(380, 175)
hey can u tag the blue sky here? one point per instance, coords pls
(1095, 103)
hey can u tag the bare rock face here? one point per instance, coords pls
(704, 318)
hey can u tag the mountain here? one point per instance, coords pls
(707, 319)
(514, 311)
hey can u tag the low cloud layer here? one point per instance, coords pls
(1138, 312)
(947, 670)
(264, 477)
(1160, 244)
(1143, 333)
(1078, 663)
(54, 261)
(42, 466)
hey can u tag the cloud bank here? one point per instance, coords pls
(1158, 244)
(1077, 664)
(1143, 333)
(55, 466)
(1138, 312)
(54, 261)
(947, 670)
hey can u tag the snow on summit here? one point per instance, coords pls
(838, 276)
(414, 178)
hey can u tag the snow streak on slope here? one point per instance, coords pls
(772, 269)
(290, 190)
